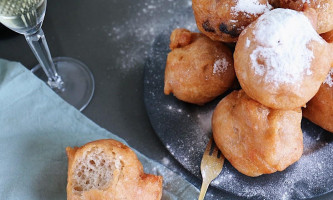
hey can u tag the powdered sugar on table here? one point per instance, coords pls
(147, 20)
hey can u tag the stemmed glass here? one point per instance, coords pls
(70, 78)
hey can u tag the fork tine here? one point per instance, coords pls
(215, 150)
(219, 155)
(211, 166)
(209, 147)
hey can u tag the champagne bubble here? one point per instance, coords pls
(18, 7)
(23, 16)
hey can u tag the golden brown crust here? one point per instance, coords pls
(198, 71)
(274, 3)
(180, 38)
(218, 20)
(254, 138)
(128, 183)
(324, 9)
(328, 36)
(320, 109)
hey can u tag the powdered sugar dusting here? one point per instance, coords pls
(220, 66)
(283, 54)
(146, 21)
(205, 121)
(329, 79)
(165, 161)
(251, 7)
(324, 6)
(306, 1)
(248, 43)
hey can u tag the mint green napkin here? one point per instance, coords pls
(35, 128)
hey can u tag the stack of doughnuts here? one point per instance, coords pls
(280, 62)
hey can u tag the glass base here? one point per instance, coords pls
(79, 84)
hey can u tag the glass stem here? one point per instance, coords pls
(37, 43)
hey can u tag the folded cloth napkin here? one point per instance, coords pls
(36, 126)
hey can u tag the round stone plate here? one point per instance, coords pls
(185, 129)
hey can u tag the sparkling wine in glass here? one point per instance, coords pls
(70, 78)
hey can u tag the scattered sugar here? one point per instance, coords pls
(251, 7)
(325, 6)
(248, 43)
(188, 149)
(165, 161)
(171, 108)
(205, 121)
(189, 3)
(220, 66)
(146, 21)
(285, 57)
(329, 80)
(151, 7)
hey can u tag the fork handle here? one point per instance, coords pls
(203, 190)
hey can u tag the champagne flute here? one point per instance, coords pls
(69, 78)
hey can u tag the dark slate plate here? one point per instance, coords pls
(185, 129)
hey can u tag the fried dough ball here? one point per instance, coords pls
(280, 60)
(197, 69)
(328, 36)
(320, 109)
(324, 9)
(225, 20)
(256, 139)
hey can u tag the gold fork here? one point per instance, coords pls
(211, 166)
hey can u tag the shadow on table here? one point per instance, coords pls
(6, 33)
